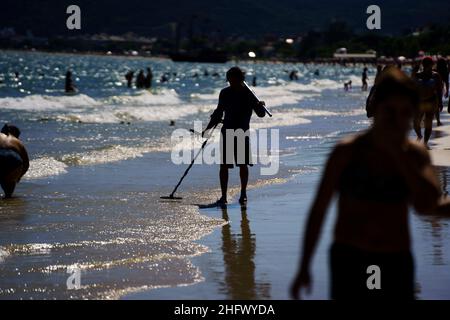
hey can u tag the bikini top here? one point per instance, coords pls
(361, 182)
(358, 181)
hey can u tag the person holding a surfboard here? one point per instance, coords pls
(236, 106)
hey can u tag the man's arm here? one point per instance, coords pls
(25, 159)
(257, 106)
(217, 115)
(259, 109)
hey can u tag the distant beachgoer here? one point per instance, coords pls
(129, 77)
(236, 104)
(442, 70)
(206, 73)
(379, 70)
(365, 85)
(430, 85)
(293, 75)
(164, 78)
(148, 79)
(348, 85)
(317, 73)
(377, 175)
(69, 86)
(14, 161)
(140, 79)
(370, 107)
(415, 68)
(254, 81)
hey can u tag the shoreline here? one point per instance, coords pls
(233, 60)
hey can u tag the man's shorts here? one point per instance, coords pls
(235, 149)
(10, 160)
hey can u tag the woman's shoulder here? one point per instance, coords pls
(418, 151)
(348, 146)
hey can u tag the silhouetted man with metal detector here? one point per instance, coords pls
(236, 105)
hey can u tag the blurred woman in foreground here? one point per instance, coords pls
(377, 175)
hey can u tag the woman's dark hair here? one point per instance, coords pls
(10, 129)
(427, 61)
(237, 73)
(394, 82)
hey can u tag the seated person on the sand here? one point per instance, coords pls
(236, 105)
(14, 161)
(430, 89)
(377, 175)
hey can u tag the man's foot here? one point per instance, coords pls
(243, 199)
(222, 202)
(439, 123)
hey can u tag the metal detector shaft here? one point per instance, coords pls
(254, 94)
(192, 162)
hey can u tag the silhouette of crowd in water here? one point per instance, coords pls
(143, 81)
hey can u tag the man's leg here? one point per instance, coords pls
(428, 126)
(438, 118)
(243, 173)
(8, 187)
(417, 124)
(223, 174)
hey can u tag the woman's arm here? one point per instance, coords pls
(328, 185)
(415, 166)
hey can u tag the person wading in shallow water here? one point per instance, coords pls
(442, 70)
(430, 89)
(238, 104)
(377, 175)
(14, 161)
(364, 79)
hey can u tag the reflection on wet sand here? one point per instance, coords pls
(436, 224)
(12, 211)
(238, 255)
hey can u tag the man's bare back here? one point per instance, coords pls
(14, 162)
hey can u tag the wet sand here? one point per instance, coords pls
(255, 255)
(440, 143)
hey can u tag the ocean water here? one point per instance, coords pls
(100, 160)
